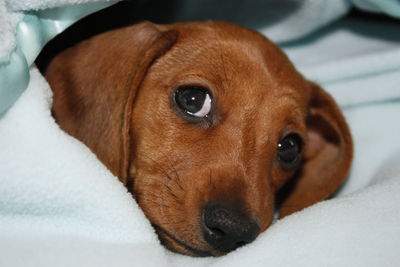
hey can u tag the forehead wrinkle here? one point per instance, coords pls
(289, 103)
(234, 64)
(267, 58)
(221, 46)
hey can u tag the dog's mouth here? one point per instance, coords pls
(224, 228)
(173, 243)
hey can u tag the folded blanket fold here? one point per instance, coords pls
(25, 33)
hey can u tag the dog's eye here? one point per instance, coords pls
(289, 149)
(193, 100)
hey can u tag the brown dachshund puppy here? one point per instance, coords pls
(204, 122)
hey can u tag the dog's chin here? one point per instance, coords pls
(175, 245)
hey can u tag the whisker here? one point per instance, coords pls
(168, 188)
(171, 165)
(151, 194)
(159, 197)
(159, 167)
(158, 203)
(173, 222)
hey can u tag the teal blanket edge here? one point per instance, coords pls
(34, 30)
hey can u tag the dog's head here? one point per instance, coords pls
(204, 123)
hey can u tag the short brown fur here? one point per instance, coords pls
(113, 92)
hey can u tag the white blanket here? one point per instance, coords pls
(59, 206)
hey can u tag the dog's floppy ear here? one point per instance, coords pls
(327, 154)
(95, 83)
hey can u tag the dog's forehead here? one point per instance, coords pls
(233, 57)
(202, 41)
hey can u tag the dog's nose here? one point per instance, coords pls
(227, 228)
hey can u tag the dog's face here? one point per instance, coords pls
(208, 122)
(215, 121)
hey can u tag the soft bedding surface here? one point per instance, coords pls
(59, 206)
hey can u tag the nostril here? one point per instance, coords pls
(226, 228)
(217, 233)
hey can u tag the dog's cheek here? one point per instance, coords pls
(169, 204)
(147, 195)
(279, 178)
